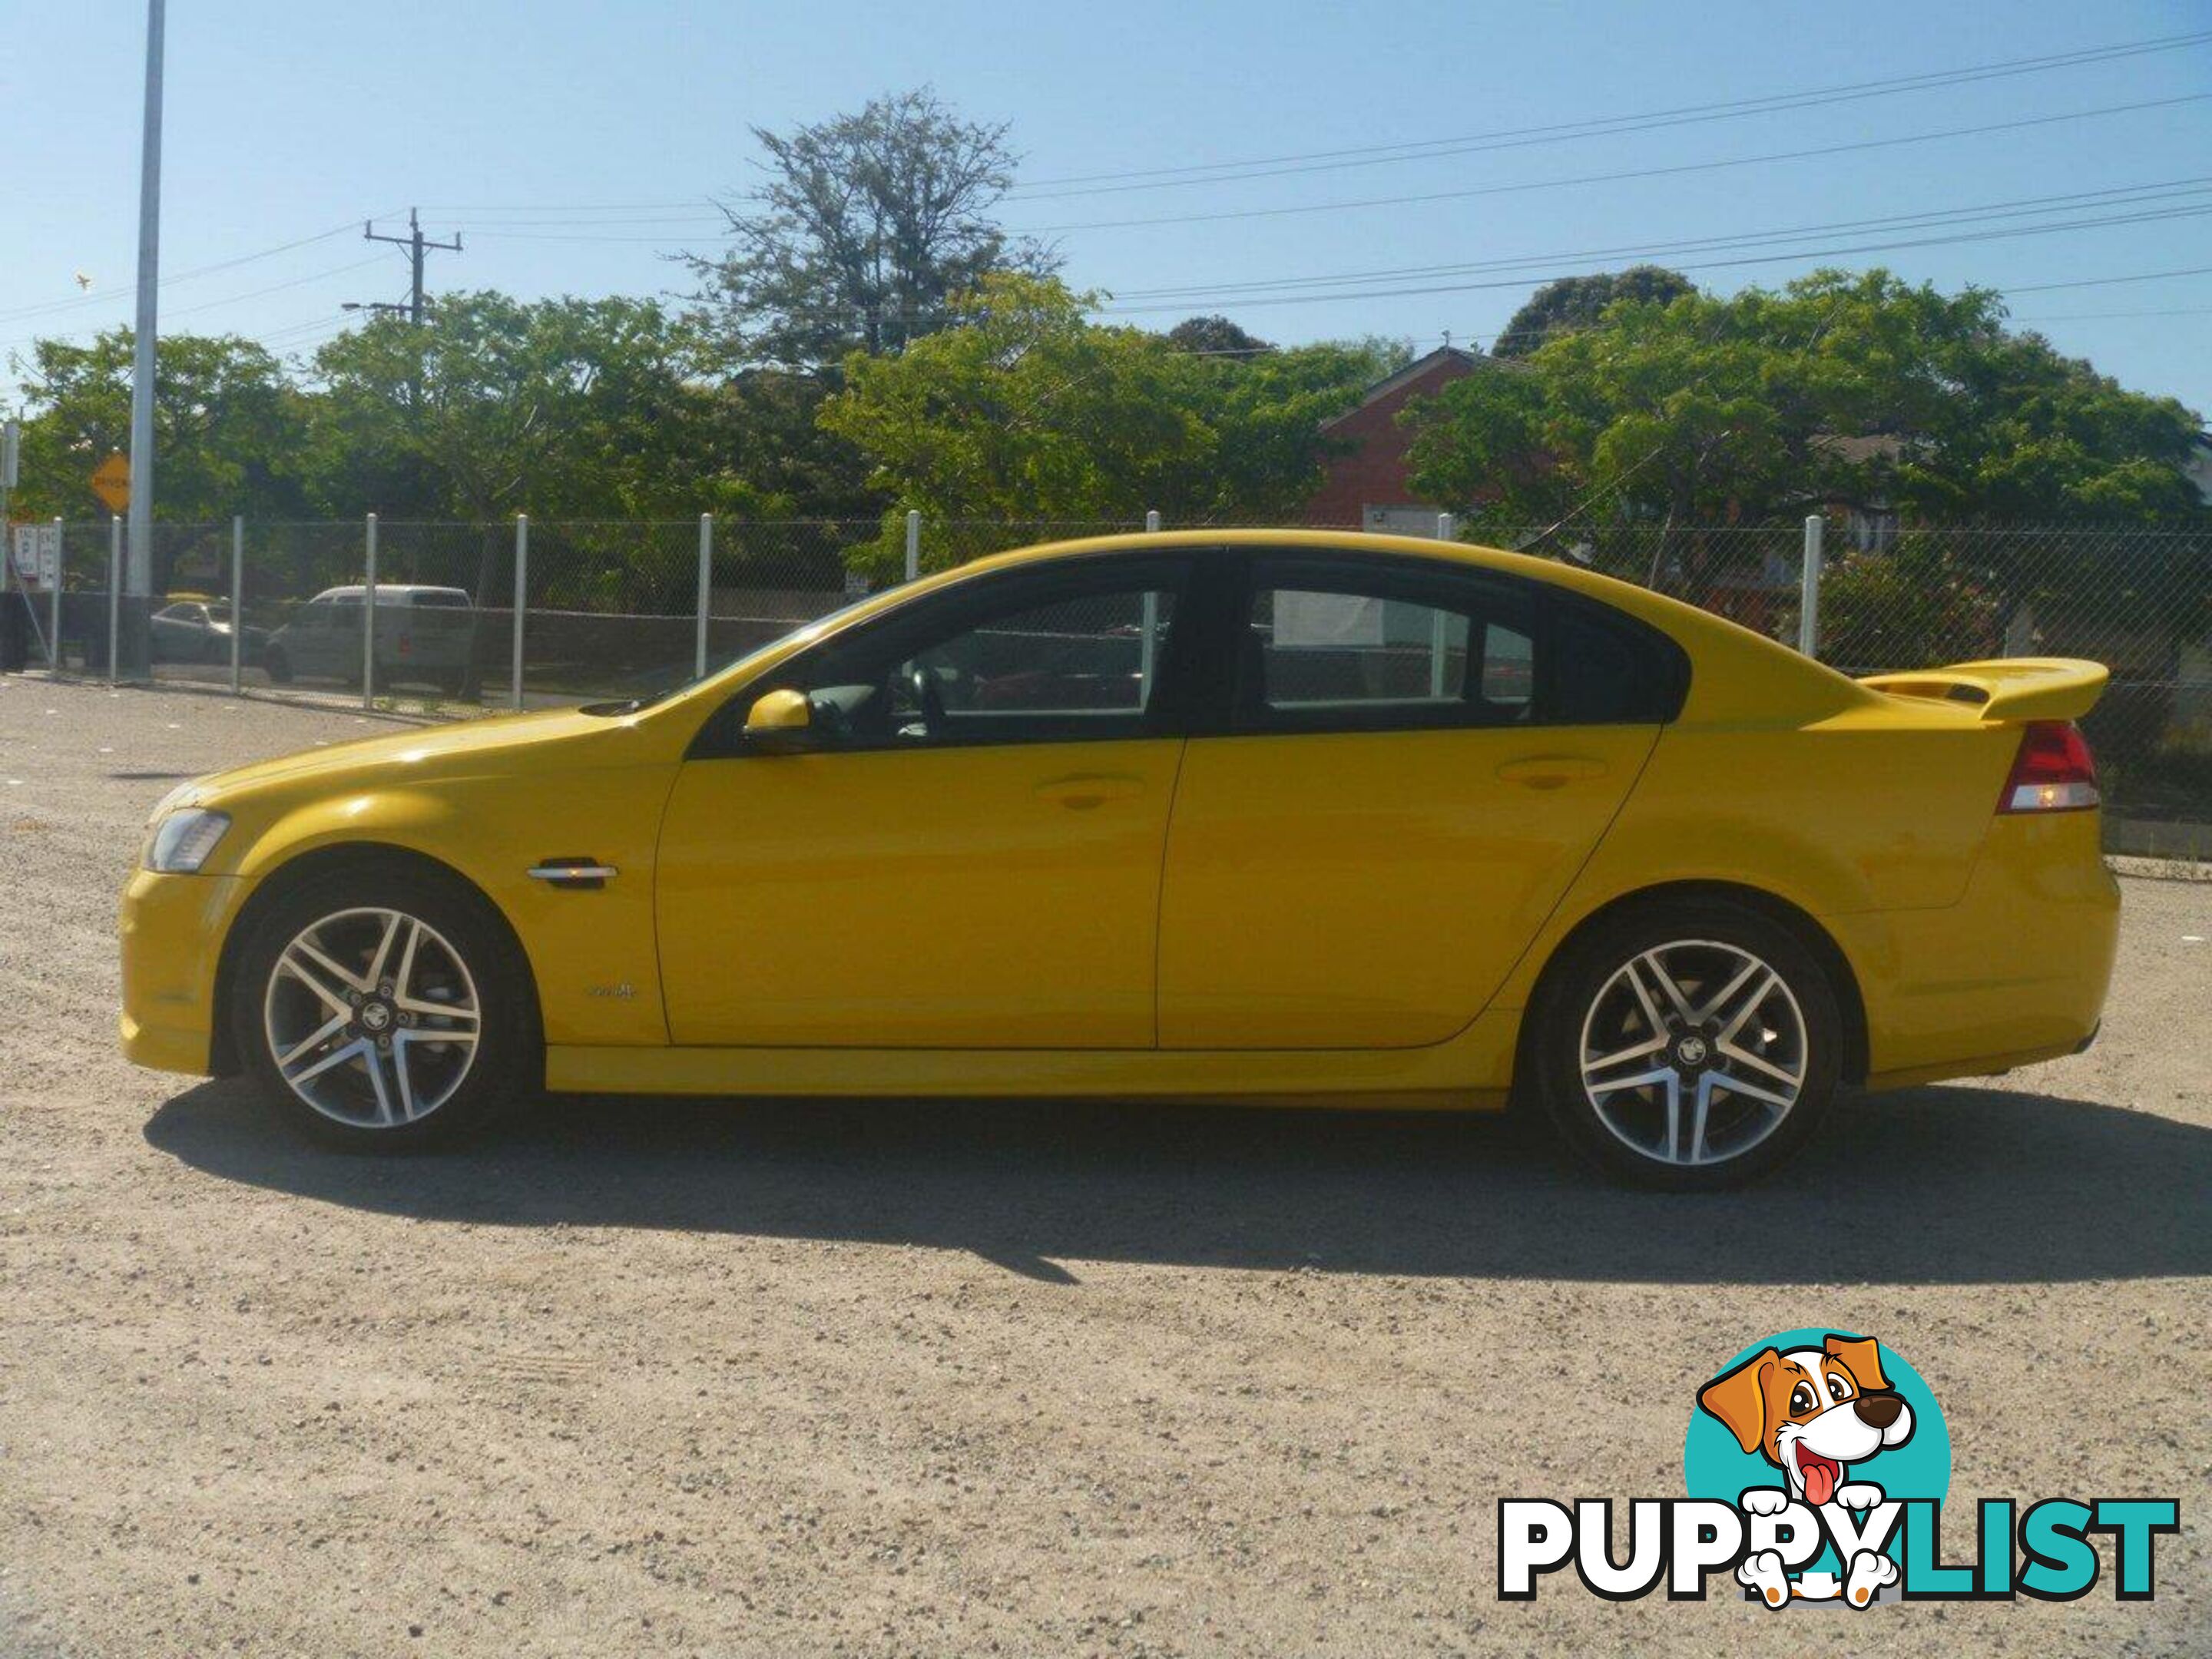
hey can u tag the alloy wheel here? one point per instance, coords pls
(1693, 1053)
(372, 1018)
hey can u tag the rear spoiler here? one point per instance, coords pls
(2007, 689)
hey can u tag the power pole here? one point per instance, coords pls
(139, 574)
(416, 245)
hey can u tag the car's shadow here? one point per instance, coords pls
(1934, 1186)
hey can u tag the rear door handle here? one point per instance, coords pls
(1552, 771)
(1084, 790)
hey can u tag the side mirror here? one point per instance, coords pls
(779, 722)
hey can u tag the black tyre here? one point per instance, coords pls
(385, 1005)
(1688, 1045)
(277, 664)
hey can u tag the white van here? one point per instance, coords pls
(423, 635)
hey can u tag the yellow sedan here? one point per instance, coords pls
(1261, 815)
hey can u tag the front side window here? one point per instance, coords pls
(1051, 662)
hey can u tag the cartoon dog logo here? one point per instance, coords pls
(1813, 1412)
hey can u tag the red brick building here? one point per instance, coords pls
(1367, 487)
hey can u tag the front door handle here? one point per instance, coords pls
(1552, 771)
(1084, 790)
(574, 874)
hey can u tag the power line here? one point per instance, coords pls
(1511, 187)
(84, 301)
(1514, 138)
(1888, 85)
(2113, 196)
(205, 305)
(2093, 316)
(278, 288)
(1708, 264)
(2099, 282)
(1621, 176)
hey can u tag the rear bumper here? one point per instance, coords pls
(2013, 973)
(171, 930)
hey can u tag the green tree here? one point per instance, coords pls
(775, 458)
(229, 427)
(1838, 389)
(1028, 411)
(575, 408)
(1573, 302)
(866, 228)
(1215, 335)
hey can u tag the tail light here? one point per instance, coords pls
(406, 644)
(2053, 771)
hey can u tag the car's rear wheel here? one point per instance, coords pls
(277, 664)
(1688, 1045)
(386, 1007)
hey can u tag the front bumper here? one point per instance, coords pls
(171, 929)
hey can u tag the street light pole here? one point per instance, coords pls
(140, 577)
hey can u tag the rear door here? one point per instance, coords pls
(1409, 762)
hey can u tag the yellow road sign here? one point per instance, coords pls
(111, 482)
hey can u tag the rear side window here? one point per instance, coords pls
(441, 601)
(1363, 643)
(1317, 651)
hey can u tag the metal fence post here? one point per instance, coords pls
(114, 593)
(237, 597)
(1809, 599)
(521, 603)
(368, 620)
(706, 586)
(913, 544)
(1446, 528)
(1152, 521)
(61, 563)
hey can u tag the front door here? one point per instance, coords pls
(1417, 761)
(966, 852)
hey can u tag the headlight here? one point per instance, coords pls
(182, 840)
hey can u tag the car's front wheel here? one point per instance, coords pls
(386, 1006)
(1688, 1045)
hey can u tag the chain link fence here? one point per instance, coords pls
(524, 613)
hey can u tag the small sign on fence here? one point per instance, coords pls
(36, 552)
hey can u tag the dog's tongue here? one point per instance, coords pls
(1819, 1482)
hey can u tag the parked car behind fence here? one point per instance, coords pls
(424, 635)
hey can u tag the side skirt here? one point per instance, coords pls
(1473, 1071)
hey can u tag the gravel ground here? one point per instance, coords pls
(789, 1379)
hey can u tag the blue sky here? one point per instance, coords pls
(574, 145)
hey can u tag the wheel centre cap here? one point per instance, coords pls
(1691, 1050)
(375, 1017)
